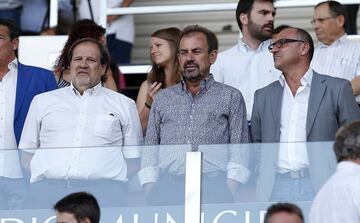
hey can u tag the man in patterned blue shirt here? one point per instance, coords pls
(196, 111)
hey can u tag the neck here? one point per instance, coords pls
(250, 41)
(333, 38)
(293, 77)
(4, 68)
(170, 77)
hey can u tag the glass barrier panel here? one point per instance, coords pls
(243, 180)
(131, 183)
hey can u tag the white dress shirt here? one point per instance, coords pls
(340, 59)
(292, 150)
(339, 198)
(246, 69)
(9, 159)
(64, 118)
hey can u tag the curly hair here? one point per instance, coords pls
(82, 29)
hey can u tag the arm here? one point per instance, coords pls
(348, 109)
(125, 3)
(355, 84)
(51, 83)
(146, 95)
(149, 172)
(237, 167)
(255, 122)
(30, 134)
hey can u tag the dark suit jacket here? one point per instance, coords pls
(331, 104)
(30, 82)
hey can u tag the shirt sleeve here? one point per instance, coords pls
(237, 168)
(132, 133)
(30, 134)
(150, 154)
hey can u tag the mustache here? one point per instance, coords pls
(191, 63)
(269, 25)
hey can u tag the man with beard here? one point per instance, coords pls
(248, 65)
(336, 55)
(77, 117)
(196, 111)
(301, 106)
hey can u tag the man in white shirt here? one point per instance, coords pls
(336, 55)
(19, 83)
(248, 65)
(82, 115)
(301, 106)
(339, 198)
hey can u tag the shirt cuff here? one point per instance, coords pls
(237, 172)
(148, 175)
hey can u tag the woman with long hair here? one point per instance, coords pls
(164, 71)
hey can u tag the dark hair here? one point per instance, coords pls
(104, 54)
(14, 30)
(280, 28)
(82, 29)
(157, 73)
(81, 204)
(211, 39)
(336, 9)
(347, 142)
(245, 6)
(306, 37)
(283, 207)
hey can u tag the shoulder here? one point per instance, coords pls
(231, 52)
(116, 96)
(35, 70)
(268, 89)
(333, 81)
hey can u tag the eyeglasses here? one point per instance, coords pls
(280, 43)
(321, 20)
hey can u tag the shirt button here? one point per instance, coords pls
(188, 141)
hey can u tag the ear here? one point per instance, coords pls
(213, 56)
(244, 18)
(304, 49)
(15, 43)
(340, 21)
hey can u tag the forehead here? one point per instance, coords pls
(87, 48)
(4, 30)
(288, 33)
(262, 5)
(193, 40)
(65, 217)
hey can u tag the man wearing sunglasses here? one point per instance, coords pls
(336, 55)
(301, 106)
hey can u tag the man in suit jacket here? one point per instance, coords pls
(18, 85)
(301, 106)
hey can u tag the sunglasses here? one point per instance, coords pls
(281, 42)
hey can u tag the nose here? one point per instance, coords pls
(83, 63)
(153, 50)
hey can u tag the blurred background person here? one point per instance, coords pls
(11, 9)
(120, 29)
(339, 198)
(84, 29)
(164, 70)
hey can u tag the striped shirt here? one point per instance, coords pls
(216, 115)
(340, 59)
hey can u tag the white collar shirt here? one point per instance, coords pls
(292, 151)
(339, 198)
(9, 160)
(64, 118)
(246, 69)
(340, 59)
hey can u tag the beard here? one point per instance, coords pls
(193, 75)
(261, 32)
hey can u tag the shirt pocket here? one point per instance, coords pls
(104, 125)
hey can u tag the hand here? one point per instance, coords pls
(153, 89)
(148, 187)
(232, 185)
(111, 18)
